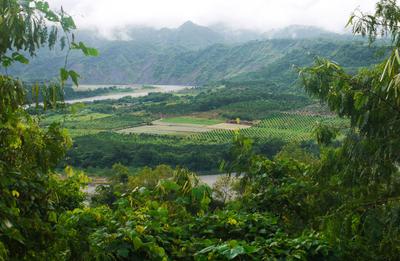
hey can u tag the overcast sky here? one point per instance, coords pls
(260, 15)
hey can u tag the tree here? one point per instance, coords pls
(30, 24)
(359, 181)
(224, 188)
(29, 194)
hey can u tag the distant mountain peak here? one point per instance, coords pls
(297, 31)
(189, 24)
(302, 26)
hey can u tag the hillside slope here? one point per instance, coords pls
(136, 62)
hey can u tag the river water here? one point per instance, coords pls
(137, 91)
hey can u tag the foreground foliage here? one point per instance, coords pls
(177, 219)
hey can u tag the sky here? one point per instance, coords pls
(259, 15)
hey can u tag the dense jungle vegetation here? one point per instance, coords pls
(337, 199)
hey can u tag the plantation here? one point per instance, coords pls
(103, 139)
(260, 109)
(176, 144)
(284, 126)
(166, 129)
(84, 123)
(204, 133)
(72, 118)
(192, 120)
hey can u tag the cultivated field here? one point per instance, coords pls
(191, 120)
(284, 126)
(183, 126)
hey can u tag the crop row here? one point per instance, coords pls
(286, 127)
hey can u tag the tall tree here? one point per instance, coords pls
(29, 198)
(361, 198)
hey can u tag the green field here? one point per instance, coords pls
(85, 123)
(73, 117)
(82, 132)
(284, 126)
(287, 127)
(191, 120)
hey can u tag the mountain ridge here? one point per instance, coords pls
(194, 54)
(193, 36)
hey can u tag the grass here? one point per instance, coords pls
(82, 132)
(88, 117)
(91, 123)
(166, 129)
(191, 120)
(73, 117)
(182, 126)
(114, 122)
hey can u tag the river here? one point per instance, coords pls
(137, 91)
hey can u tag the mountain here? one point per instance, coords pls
(189, 35)
(194, 54)
(194, 37)
(134, 62)
(302, 32)
(233, 35)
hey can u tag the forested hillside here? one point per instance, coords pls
(150, 62)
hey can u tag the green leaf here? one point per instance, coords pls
(358, 100)
(350, 21)
(123, 252)
(20, 58)
(137, 243)
(91, 51)
(42, 6)
(35, 94)
(54, 95)
(15, 193)
(7, 223)
(234, 252)
(52, 216)
(6, 61)
(74, 76)
(206, 250)
(64, 75)
(159, 251)
(87, 51)
(68, 23)
(167, 186)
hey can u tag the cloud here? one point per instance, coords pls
(261, 15)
